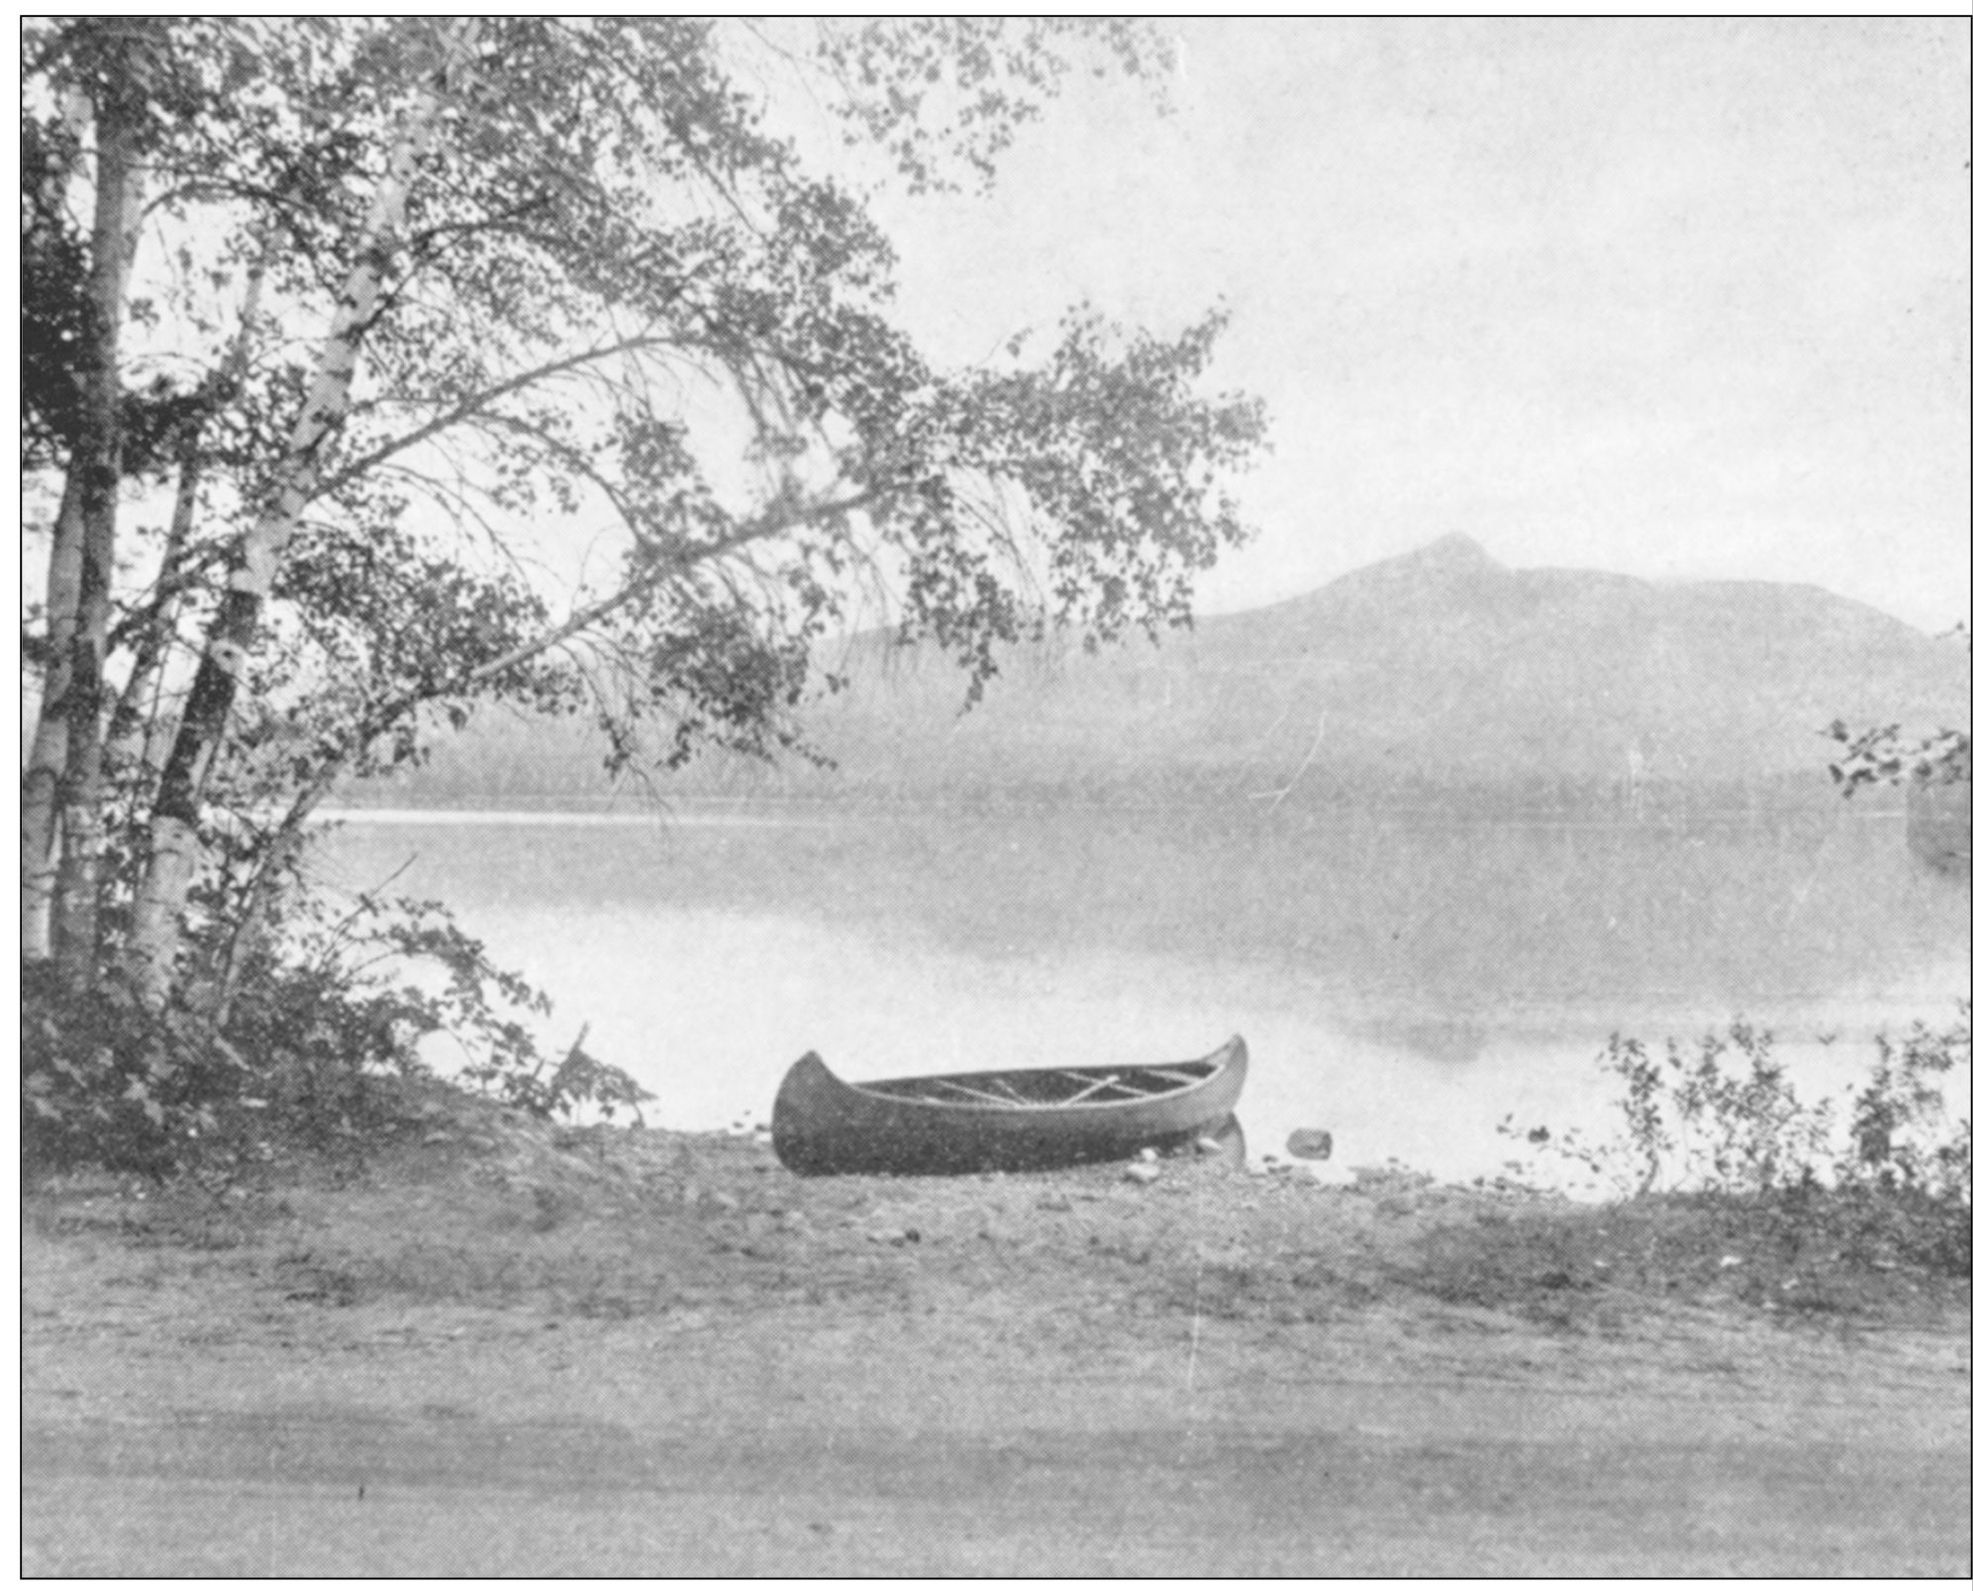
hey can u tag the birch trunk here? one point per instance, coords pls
(125, 740)
(130, 739)
(97, 469)
(48, 755)
(174, 839)
(41, 779)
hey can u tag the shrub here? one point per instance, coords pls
(104, 1081)
(308, 1048)
(1902, 1138)
(1887, 1185)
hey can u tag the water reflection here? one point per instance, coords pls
(1451, 1042)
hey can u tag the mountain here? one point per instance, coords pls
(1443, 664)
(1439, 666)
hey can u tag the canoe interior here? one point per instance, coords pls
(1047, 1090)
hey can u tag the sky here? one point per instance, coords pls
(1681, 299)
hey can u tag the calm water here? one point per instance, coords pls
(1401, 982)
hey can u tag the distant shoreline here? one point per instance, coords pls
(703, 808)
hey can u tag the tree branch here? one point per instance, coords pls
(477, 403)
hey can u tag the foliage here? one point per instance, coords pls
(53, 307)
(988, 74)
(1886, 754)
(1728, 1124)
(576, 1083)
(106, 1081)
(1735, 1120)
(310, 1050)
(1903, 1137)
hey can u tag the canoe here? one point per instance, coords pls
(1000, 1121)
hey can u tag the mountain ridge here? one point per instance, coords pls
(1437, 665)
(1445, 660)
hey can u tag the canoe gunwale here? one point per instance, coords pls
(906, 1090)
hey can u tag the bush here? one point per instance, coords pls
(1726, 1124)
(309, 1049)
(104, 1081)
(1902, 1138)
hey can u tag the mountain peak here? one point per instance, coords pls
(1455, 550)
(1453, 563)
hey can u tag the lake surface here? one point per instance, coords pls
(1403, 981)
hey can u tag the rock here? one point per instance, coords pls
(1141, 1171)
(1310, 1143)
(896, 1236)
(722, 1201)
(1147, 1154)
(1206, 1146)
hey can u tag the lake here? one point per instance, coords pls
(1403, 980)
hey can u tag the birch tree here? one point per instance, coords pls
(173, 850)
(105, 101)
(577, 291)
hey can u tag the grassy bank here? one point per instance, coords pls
(478, 1208)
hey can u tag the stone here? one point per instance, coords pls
(1141, 1171)
(1310, 1143)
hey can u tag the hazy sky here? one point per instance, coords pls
(1680, 298)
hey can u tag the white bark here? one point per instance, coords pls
(49, 754)
(175, 847)
(79, 617)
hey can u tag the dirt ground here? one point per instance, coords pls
(507, 1351)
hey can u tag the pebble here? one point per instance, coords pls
(1310, 1143)
(1141, 1171)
